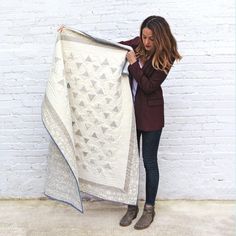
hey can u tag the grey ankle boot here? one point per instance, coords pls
(146, 218)
(131, 214)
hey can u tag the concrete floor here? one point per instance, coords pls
(101, 218)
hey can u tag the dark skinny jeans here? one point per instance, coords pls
(150, 144)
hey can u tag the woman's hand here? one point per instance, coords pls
(131, 57)
(61, 28)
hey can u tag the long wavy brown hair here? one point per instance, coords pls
(164, 42)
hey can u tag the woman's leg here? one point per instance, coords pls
(150, 144)
(138, 139)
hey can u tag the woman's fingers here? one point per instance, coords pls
(131, 57)
(61, 28)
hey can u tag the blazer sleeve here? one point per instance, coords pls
(132, 42)
(147, 84)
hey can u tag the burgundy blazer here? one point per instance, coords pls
(149, 102)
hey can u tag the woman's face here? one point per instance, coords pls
(148, 39)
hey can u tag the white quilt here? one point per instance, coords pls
(88, 112)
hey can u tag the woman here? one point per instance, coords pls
(155, 51)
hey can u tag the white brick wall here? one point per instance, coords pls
(196, 154)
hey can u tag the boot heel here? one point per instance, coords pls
(135, 215)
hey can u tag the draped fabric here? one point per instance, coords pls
(88, 112)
